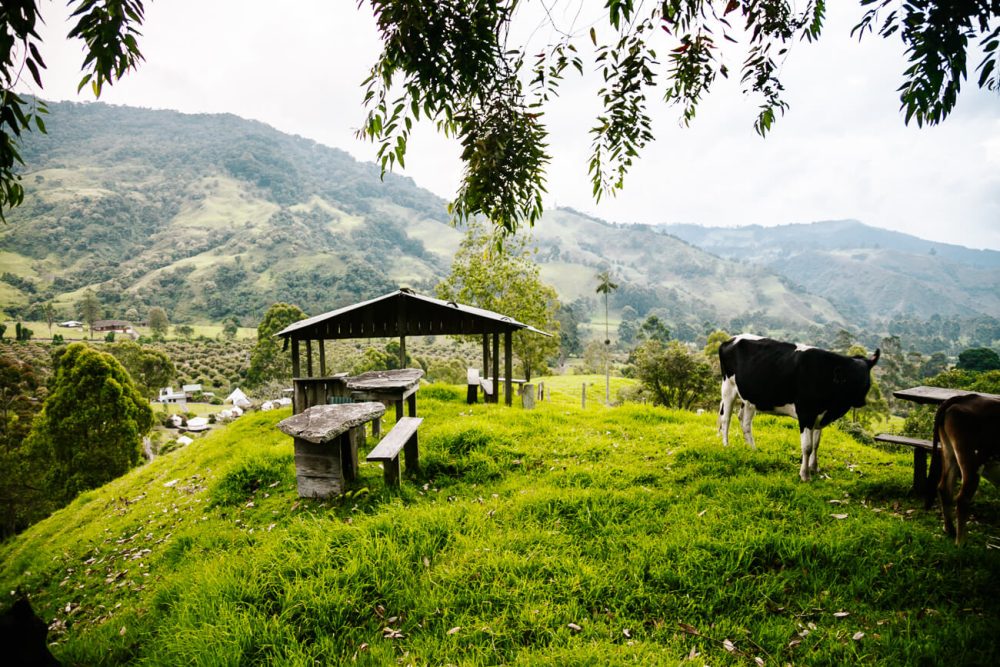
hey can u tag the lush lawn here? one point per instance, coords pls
(555, 536)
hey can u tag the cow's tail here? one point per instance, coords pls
(934, 474)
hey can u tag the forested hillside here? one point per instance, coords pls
(214, 216)
(201, 215)
(871, 275)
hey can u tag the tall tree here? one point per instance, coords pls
(90, 309)
(454, 62)
(50, 315)
(149, 369)
(505, 279)
(158, 321)
(267, 360)
(20, 492)
(91, 424)
(605, 286)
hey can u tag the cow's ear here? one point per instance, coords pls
(872, 360)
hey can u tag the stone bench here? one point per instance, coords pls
(326, 440)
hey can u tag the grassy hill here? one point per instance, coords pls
(555, 536)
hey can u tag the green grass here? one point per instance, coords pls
(633, 524)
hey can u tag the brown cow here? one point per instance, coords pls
(968, 428)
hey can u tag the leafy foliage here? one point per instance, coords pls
(267, 360)
(149, 368)
(455, 66)
(91, 424)
(672, 375)
(21, 501)
(505, 280)
(108, 28)
(978, 359)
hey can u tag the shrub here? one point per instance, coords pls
(240, 483)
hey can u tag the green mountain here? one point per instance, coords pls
(870, 274)
(210, 216)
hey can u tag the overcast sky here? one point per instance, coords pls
(842, 150)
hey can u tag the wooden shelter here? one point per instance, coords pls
(400, 314)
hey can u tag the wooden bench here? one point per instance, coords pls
(401, 436)
(921, 448)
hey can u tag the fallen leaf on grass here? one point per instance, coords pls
(759, 660)
(702, 513)
(121, 632)
(728, 645)
(857, 636)
(795, 642)
(627, 633)
(454, 630)
(841, 614)
(839, 516)
(574, 627)
(688, 628)
(693, 654)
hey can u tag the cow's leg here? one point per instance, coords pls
(814, 455)
(968, 464)
(946, 487)
(806, 437)
(746, 421)
(729, 394)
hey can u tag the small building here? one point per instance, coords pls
(116, 326)
(191, 389)
(168, 395)
(71, 324)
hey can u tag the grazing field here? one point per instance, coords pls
(555, 536)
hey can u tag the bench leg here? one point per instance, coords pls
(411, 405)
(349, 451)
(390, 470)
(472, 394)
(399, 410)
(411, 454)
(377, 427)
(919, 472)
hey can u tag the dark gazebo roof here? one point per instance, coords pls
(402, 313)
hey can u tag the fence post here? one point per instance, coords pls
(583, 397)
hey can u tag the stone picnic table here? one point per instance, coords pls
(385, 386)
(326, 445)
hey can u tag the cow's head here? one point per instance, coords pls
(863, 375)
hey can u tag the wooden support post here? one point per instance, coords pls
(486, 356)
(402, 351)
(322, 358)
(508, 368)
(297, 393)
(496, 366)
(309, 358)
(349, 443)
(583, 397)
(919, 471)
(411, 405)
(399, 410)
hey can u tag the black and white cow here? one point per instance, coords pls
(815, 386)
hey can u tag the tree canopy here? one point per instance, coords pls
(90, 428)
(267, 361)
(506, 280)
(454, 62)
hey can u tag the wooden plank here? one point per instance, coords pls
(318, 470)
(935, 395)
(395, 439)
(496, 363)
(904, 440)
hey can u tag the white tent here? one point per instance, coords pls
(238, 398)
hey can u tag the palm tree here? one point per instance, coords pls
(605, 287)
